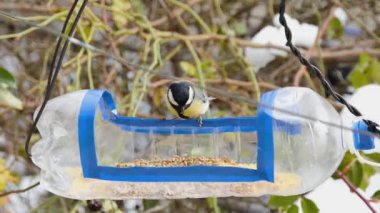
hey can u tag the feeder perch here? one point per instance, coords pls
(88, 151)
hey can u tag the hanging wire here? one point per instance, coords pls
(55, 67)
(372, 126)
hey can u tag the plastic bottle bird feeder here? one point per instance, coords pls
(88, 151)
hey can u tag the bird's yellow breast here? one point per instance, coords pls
(171, 109)
(196, 109)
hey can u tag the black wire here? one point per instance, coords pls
(54, 69)
(58, 45)
(372, 126)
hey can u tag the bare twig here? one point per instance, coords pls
(348, 55)
(175, 16)
(112, 74)
(288, 65)
(354, 190)
(19, 190)
(365, 43)
(187, 8)
(244, 9)
(347, 168)
(159, 21)
(246, 84)
(29, 7)
(302, 71)
(218, 37)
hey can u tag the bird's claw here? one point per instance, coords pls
(200, 122)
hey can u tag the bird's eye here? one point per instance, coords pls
(171, 98)
(191, 96)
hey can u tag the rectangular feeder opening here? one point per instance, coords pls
(236, 149)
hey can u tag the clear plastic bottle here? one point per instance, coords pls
(289, 148)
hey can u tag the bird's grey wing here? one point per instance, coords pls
(201, 94)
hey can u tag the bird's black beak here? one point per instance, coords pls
(181, 111)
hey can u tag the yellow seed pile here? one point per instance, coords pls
(83, 188)
(182, 161)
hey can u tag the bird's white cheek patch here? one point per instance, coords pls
(171, 98)
(191, 95)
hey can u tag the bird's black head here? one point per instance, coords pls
(180, 95)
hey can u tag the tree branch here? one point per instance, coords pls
(323, 29)
(246, 84)
(19, 190)
(29, 7)
(354, 190)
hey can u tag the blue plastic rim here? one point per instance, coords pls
(262, 124)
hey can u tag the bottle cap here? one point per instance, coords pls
(363, 139)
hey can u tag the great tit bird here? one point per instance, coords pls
(186, 101)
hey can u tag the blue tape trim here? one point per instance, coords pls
(179, 174)
(86, 134)
(362, 141)
(103, 99)
(210, 126)
(265, 152)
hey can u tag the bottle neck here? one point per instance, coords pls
(362, 140)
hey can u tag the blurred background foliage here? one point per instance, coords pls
(198, 40)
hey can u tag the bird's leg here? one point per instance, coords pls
(200, 122)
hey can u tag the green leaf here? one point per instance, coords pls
(308, 206)
(212, 203)
(376, 195)
(281, 201)
(366, 71)
(6, 79)
(9, 100)
(292, 209)
(358, 79)
(355, 175)
(188, 68)
(374, 70)
(368, 172)
(347, 159)
(357, 76)
(373, 156)
(335, 28)
(364, 59)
